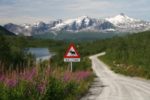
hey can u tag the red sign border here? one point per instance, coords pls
(71, 45)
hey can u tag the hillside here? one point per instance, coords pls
(5, 32)
(130, 55)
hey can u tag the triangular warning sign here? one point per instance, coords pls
(72, 52)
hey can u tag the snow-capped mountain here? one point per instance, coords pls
(123, 23)
(118, 24)
(19, 29)
(83, 23)
(121, 19)
(73, 24)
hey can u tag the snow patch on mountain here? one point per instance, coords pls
(77, 21)
(121, 19)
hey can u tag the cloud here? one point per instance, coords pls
(55, 9)
(7, 2)
(23, 19)
(90, 5)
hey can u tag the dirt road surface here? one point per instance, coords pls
(111, 86)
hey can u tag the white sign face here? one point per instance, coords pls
(72, 52)
(71, 59)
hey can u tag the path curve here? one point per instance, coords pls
(112, 86)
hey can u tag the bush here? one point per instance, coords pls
(58, 90)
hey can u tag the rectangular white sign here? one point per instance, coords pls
(71, 59)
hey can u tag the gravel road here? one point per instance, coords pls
(111, 86)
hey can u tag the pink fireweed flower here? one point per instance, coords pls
(48, 71)
(11, 82)
(2, 78)
(67, 76)
(28, 75)
(81, 75)
(41, 87)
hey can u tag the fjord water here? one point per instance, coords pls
(41, 53)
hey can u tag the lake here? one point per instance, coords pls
(41, 53)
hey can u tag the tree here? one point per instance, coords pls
(4, 51)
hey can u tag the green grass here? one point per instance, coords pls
(127, 70)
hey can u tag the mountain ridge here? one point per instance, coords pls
(119, 24)
(4, 31)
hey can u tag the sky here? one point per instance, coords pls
(30, 11)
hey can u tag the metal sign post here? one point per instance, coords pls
(71, 66)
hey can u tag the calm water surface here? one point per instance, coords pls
(41, 53)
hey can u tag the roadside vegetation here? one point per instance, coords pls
(44, 84)
(129, 55)
(12, 53)
(22, 78)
